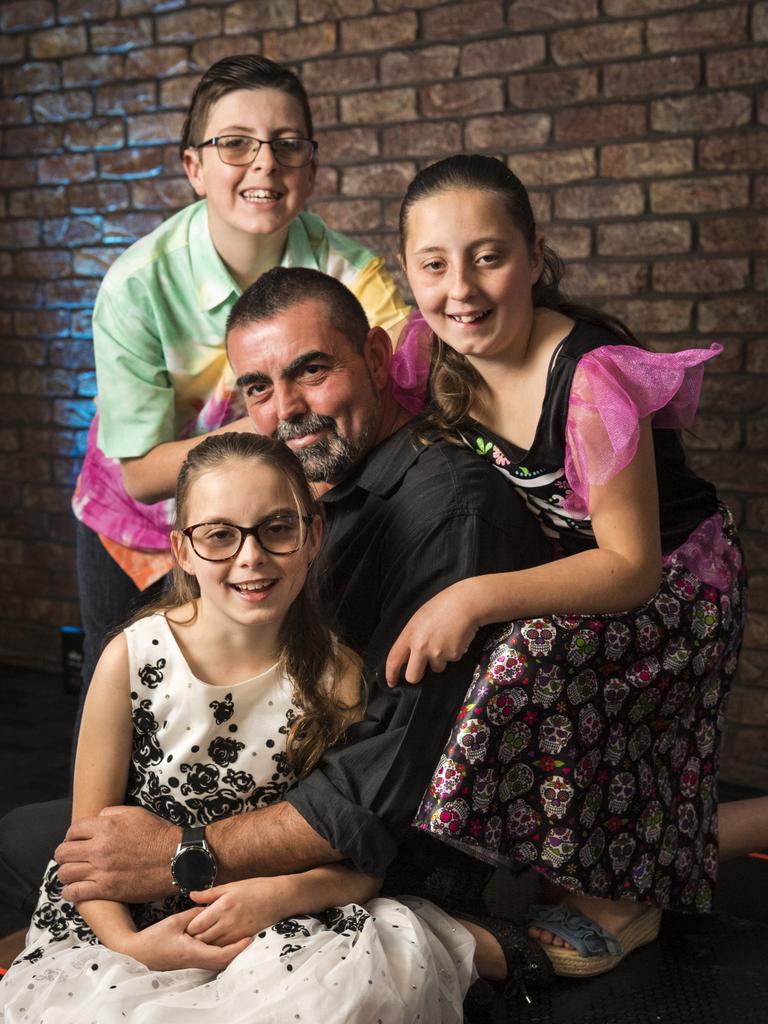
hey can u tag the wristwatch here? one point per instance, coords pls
(194, 865)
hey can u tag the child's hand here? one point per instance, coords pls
(168, 946)
(237, 910)
(439, 632)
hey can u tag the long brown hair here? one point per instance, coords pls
(455, 385)
(309, 653)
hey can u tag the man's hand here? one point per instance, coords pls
(439, 632)
(124, 854)
(167, 946)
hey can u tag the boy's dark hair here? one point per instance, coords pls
(282, 287)
(244, 71)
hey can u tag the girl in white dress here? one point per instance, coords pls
(208, 705)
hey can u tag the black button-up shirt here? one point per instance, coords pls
(411, 520)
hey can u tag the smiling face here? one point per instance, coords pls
(260, 198)
(305, 383)
(254, 587)
(472, 272)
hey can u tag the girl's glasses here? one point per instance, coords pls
(277, 535)
(242, 149)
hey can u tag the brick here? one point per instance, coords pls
(757, 355)
(597, 42)
(525, 14)
(324, 110)
(507, 131)
(97, 133)
(123, 228)
(27, 468)
(552, 88)
(17, 172)
(317, 10)
(41, 324)
(399, 5)
(760, 21)
(62, 169)
(648, 238)
(348, 144)
(429, 63)
(734, 234)
(722, 393)
(20, 353)
(700, 195)
(757, 514)
(697, 30)
(72, 413)
(702, 276)
(350, 214)
(723, 433)
(72, 231)
(11, 49)
(385, 105)
(71, 294)
(554, 166)
(586, 202)
(93, 69)
(378, 179)
(42, 265)
(86, 384)
(208, 51)
(610, 121)
(631, 8)
(737, 152)
(131, 163)
(762, 108)
(258, 16)
(37, 139)
(55, 441)
(423, 138)
(161, 194)
(157, 62)
(761, 274)
(326, 182)
(58, 42)
(750, 312)
(72, 353)
(150, 129)
(62, 105)
(594, 278)
(94, 262)
(9, 440)
(647, 159)
(757, 434)
(465, 97)
(18, 294)
(48, 382)
(133, 98)
(15, 110)
(26, 14)
(498, 55)
(83, 10)
(456, 21)
(122, 35)
(570, 241)
(343, 72)
(102, 197)
(541, 204)
(132, 7)
(701, 113)
(380, 32)
(19, 234)
(188, 26)
(645, 77)
(38, 202)
(14, 409)
(665, 315)
(300, 43)
(34, 76)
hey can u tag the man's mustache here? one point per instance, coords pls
(311, 423)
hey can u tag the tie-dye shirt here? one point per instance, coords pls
(162, 372)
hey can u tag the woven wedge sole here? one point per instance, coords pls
(569, 963)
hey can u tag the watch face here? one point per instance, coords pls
(194, 868)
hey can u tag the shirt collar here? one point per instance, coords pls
(298, 248)
(384, 466)
(213, 282)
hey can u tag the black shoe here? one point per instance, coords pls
(527, 963)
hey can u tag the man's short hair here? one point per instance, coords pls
(283, 287)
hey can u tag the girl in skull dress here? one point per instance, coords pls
(208, 705)
(587, 746)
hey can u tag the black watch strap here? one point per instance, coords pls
(195, 834)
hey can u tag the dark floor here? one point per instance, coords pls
(701, 971)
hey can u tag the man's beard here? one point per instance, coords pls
(330, 457)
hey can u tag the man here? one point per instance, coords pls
(404, 520)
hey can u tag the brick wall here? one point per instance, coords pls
(639, 124)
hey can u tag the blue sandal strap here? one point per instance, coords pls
(586, 937)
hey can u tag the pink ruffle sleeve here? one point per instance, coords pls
(409, 369)
(613, 388)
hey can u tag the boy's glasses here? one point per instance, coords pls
(278, 535)
(243, 149)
